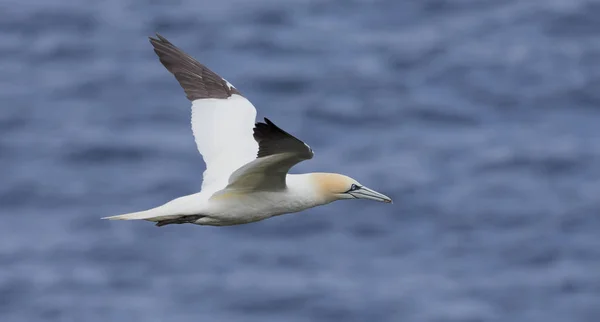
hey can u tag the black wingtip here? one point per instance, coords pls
(161, 38)
(160, 41)
(157, 39)
(270, 124)
(273, 140)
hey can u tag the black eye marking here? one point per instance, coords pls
(353, 187)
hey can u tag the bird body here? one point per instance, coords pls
(247, 163)
(231, 206)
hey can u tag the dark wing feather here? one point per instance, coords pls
(196, 79)
(278, 152)
(273, 140)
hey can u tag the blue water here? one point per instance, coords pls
(480, 118)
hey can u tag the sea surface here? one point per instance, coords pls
(480, 118)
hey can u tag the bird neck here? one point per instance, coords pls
(305, 187)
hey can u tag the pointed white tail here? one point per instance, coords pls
(172, 209)
(140, 215)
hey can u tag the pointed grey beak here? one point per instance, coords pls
(366, 193)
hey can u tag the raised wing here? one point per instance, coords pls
(278, 152)
(222, 119)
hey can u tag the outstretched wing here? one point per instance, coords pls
(278, 152)
(222, 119)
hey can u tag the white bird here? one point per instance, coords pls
(247, 163)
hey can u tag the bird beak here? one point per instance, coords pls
(366, 193)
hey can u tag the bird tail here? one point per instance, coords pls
(150, 215)
(171, 210)
(154, 214)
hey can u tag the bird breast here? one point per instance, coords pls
(263, 204)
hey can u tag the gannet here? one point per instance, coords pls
(247, 163)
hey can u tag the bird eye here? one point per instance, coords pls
(353, 187)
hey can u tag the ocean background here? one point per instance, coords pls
(480, 118)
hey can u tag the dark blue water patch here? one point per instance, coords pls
(52, 314)
(587, 96)
(291, 261)
(590, 58)
(65, 21)
(12, 123)
(540, 165)
(572, 286)
(281, 85)
(441, 116)
(23, 193)
(333, 118)
(533, 252)
(277, 17)
(205, 35)
(267, 48)
(62, 52)
(567, 100)
(404, 61)
(10, 49)
(176, 186)
(345, 313)
(271, 305)
(161, 118)
(156, 5)
(92, 89)
(55, 20)
(363, 154)
(126, 269)
(271, 230)
(14, 292)
(107, 154)
(286, 261)
(454, 75)
(580, 23)
(444, 7)
(580, 219)
(368, 231)
(483, 97)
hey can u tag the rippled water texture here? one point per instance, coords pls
(480, 118)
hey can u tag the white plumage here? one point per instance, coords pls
(223, 132)
(247, 163)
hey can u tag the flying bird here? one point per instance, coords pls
(247, 163)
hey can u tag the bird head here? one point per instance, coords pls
(335, 186)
